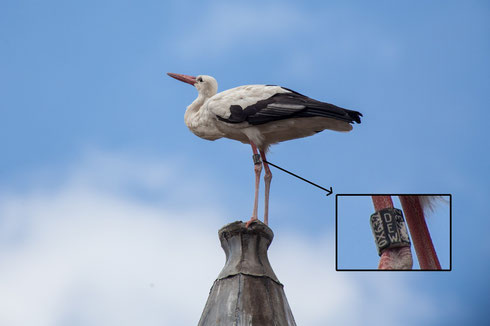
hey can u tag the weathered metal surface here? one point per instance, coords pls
(246, 292)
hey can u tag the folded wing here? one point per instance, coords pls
(286, 105)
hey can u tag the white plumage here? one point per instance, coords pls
(259, 115)
(429, 203)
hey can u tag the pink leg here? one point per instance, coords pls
(393, 258)
(267, 181)
(258, 170)
(424, 248)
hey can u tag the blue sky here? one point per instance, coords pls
(100, 178)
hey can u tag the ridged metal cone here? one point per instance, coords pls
(246, 292)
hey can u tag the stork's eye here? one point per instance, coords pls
(199, 79)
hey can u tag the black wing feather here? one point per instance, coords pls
(288, 105)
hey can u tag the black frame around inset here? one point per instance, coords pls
(395, 270)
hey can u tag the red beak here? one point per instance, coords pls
(186, 79)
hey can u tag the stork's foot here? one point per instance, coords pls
(253, 219)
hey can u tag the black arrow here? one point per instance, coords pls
(329, 192)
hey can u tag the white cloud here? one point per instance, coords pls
(86, 254)
(320, 296)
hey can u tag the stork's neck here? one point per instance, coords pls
(192, 111)
(199, 120)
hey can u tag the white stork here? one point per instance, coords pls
(259, 115)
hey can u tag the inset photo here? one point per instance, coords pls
(393, 232)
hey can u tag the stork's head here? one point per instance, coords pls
(206, 85)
